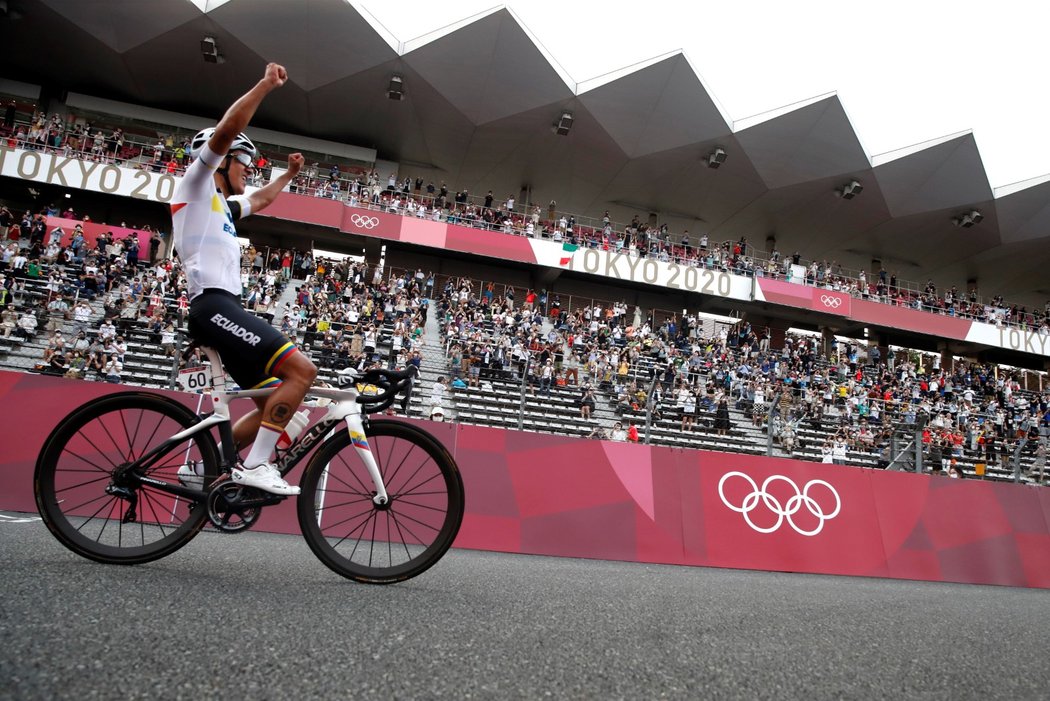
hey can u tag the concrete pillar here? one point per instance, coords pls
(777, 330)
(373, 249)
(946, 356)
(53, 100)
(827, 340)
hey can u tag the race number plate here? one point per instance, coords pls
(195, 379)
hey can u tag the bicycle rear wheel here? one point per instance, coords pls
(381, 544)
(84, 456)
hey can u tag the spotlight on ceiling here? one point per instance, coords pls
(210, 51)
(969, 219)
(716, 158)
(564, 124)
(850, 190)
(396, 89)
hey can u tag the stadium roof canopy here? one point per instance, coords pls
(480, 101)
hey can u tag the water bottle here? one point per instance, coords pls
(299, 421)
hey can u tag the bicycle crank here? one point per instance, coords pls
(233, 508)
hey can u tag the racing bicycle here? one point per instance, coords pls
(381, 499)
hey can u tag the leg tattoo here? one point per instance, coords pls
(280, 413)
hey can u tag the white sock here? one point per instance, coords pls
(262, 448)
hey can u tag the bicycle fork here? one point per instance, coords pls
(355, 426)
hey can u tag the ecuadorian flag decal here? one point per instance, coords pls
(358, 439)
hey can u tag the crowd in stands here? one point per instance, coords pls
(83, 299)
(349, 316)
(674, 368)
(413, 197)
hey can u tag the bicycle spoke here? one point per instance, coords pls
(402, 536)
(332, 507)
(364, 524)
(421, 506)
(114, 441)
(105, 521)
(329, 490)
(149, 441)
(93, 499)
(421, 523)
(413, 475)
(442, 492)
(424, 482)
(388, 478)
(352, 472)
(407, 530)
(138, 424)
(372, 541)
(73, 470)
(332, 526)
(97, 449)
(131, 443)
(77, 486)
(156, 519)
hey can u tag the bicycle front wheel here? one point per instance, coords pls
(381, 544)
(94, 511)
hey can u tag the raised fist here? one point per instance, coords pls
(276, 75)
(295, 164)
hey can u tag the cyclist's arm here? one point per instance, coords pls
(264, 196)
(241, 112)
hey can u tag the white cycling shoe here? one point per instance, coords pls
(192, 475)
(265, 477)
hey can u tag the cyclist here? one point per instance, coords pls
(205, 205)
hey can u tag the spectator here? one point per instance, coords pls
(27, 325)
(587, 402)
(722, 416)
(113, 370)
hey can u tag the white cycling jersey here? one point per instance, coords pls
(203, 226)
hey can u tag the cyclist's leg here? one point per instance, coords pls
(248, 425)
(256, 355)
(297, 375)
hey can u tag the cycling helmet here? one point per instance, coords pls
(240, 143)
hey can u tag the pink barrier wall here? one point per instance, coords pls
(556, 495)
(92, 231)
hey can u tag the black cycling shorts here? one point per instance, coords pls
(251, 349)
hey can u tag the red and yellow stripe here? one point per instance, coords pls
(268, 382)
(279, 357)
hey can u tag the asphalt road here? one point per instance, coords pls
(256, 616)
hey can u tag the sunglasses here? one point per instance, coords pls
(243, 158)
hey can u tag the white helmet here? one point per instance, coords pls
(240, 143)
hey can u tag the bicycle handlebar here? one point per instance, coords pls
(390, 384)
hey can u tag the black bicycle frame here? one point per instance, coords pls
(286, 460)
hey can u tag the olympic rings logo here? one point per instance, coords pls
(364, 222)
(831, 301)
(782, 511)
